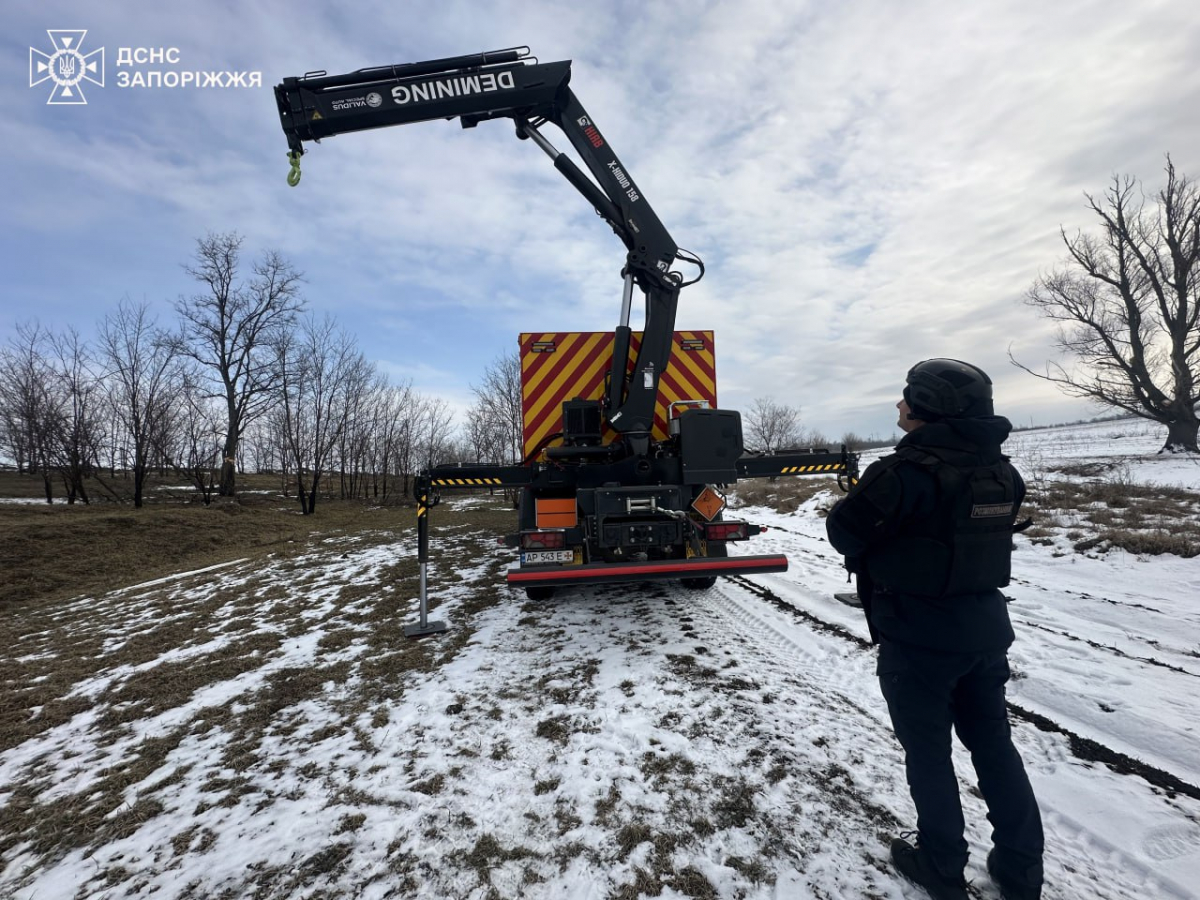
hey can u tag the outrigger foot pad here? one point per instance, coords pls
(419, 630)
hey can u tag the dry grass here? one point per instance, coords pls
(1096, 516)
(785, 494)
(50, 552)
(201, 632)
(53, 553)
(1114, 493)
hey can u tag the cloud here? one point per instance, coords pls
(869, 184)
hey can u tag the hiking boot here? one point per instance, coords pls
(915, 865)
(1016, 885)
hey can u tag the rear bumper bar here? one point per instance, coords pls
(610, 573)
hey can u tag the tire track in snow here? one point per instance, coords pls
(1084, 749)
(840, 676)
(1084, 595)
(1115, 651)
(853, 779)
(1080, 842)
(1154, 643)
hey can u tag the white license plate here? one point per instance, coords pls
(547, 556)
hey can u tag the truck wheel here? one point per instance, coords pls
(539, 593)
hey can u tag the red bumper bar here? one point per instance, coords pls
(609, 573)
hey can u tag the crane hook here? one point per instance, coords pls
(293, 176)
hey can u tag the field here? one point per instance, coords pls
(220, 702)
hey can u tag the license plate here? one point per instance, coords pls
(547, 556)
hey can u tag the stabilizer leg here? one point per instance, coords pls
(424, 626)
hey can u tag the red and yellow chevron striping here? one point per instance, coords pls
(561, 366)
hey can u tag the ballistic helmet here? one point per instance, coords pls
(948, 389)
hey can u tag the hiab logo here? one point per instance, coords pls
(67, 67)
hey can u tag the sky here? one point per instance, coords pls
(868, 183)
(240, 731)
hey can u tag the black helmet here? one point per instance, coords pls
(948, 389)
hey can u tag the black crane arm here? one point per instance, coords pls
(508, 84)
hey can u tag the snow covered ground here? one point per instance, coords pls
(1125, 449)
(266, 731)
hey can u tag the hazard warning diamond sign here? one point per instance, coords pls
(708, 503)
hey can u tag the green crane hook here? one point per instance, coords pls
(293, 176)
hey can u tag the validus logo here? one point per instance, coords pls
(67, 67)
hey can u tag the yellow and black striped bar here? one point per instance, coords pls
(807, 462)
(466, 477)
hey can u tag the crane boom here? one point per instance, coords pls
(508, 84)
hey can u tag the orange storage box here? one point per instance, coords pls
(556, 513)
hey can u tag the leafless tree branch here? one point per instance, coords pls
(1126, 306)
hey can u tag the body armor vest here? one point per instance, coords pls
(964, 545)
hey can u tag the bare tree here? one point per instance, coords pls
(192, 441)
(261, 446)
(433, 433)
(75, 424)
(484, 443)
(362, 391)
(495, 430)
(772, 426)
(395, 431)
(1127, 306)
(320, 368)
(852, 440)
(142, 369)
(230, 329)
(26, 401)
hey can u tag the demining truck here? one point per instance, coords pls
(625, 448)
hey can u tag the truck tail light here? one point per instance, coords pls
(726, 531)
(543, 540)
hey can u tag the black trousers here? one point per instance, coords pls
(929, 693)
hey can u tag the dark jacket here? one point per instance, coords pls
(896, 498)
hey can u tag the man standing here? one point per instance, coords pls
(928, 533)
